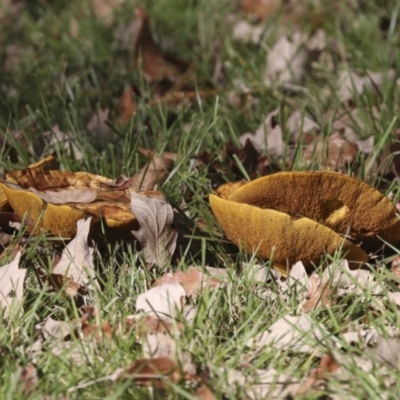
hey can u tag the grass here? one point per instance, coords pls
(50, 75)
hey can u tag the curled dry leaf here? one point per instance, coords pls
(195, 281)
(299, 333)
(162, 302)
(156, 372)
(276, 235)
(346, 205)
(155, 234)
(77, 258)
(11, 285)
(319, 293)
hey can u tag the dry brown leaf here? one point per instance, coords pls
(155, 371)
(204, 393)
(291, 57)
(335, 153)
(194, 281)
(128, 106)
(148, 54)
(12, 286)
(164, 345)
(319, 293)
(162, 302)
(261, 8)
(77, 258)
(328, 366)
(271, 233)
(99, 129)
(60, 282)
(268, 136)
(29, 379)
(297, 333)
(155, 234)
(149, 324)
(104, 9)
(347, 205)
(155, 172)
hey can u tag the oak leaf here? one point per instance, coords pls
(275, 234)
(155, 235)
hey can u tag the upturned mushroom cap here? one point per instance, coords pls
(273, 233)
(347, 205)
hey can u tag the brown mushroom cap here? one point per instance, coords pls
(273, 233)
(347, 205)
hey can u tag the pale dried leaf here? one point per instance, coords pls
(29, 379)
(52, 329)
(77, 258)
(289, 59)
(66, 196)
(156, 171)
(268, 136)
(246, 32)
(155, 235)
(300, 123)
(162, 345)
(319, 293)
(11, 285)
(162, 301)
(300, 334)
(264, 384)
(194, 281)
(351, 83)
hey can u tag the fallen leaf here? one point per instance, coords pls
(155, 172)
(12, 286)
(194, 281)
(155, 234)
(104, 9)
(335, 200)
(145, 324)
(52, 329)
(204, 393)
(29, 379)
(276, 235)
(268, 136)
(261, 8)
(290, 59)
(351, 83)
(162, 345)
(300, 334)
(99, 129)
(162, 302)
(128, 106)
(148, 54)
(328, 367)
(247, 33)
(335, 153)
(319, 293)
(77, 258)
(155, 371)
